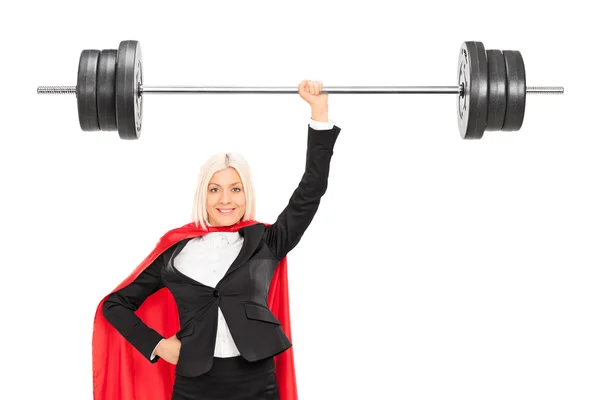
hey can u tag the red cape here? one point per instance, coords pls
(120, 372)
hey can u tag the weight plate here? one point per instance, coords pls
(496, 90)
(105, 92)
(86, 90)
(472, 104)
(516, 90)
(127, 82)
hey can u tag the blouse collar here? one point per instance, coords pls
(230, 237)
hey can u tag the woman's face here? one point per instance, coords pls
(226, 199)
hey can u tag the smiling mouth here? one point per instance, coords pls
(225, 211)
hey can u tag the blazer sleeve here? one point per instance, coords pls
(119, 307)
(285, 233)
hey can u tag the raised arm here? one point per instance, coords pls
(119, 308)
(285, 233)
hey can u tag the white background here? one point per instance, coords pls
(435, 268)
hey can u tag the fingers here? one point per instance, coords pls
(302, 86)
(312, 87)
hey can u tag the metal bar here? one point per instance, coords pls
(457, 90)
(545, 90)
(57, 90)
(294, 90)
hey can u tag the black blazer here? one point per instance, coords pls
(242, 292)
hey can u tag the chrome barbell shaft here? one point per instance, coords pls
(456, 90)
(294, 90)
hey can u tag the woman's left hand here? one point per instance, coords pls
(310, 91)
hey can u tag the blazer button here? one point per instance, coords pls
(216, 293)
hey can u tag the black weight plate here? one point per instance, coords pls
(128, 99)
(105, 92)
(496, 90)
(86, 90)
(473, 76)
(516, 90)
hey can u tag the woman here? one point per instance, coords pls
(220, 278)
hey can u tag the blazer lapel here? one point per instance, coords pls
(252, 235)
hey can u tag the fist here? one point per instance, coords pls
(311, 92)
(169, 349)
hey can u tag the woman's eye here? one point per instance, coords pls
(236, 189)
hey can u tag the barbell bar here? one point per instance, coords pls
(491, 91)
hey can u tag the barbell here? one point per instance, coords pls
(491, 90)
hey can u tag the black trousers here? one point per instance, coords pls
(228, 379)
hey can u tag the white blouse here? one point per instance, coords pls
(206, 259)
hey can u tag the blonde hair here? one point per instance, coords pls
(216, 163)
